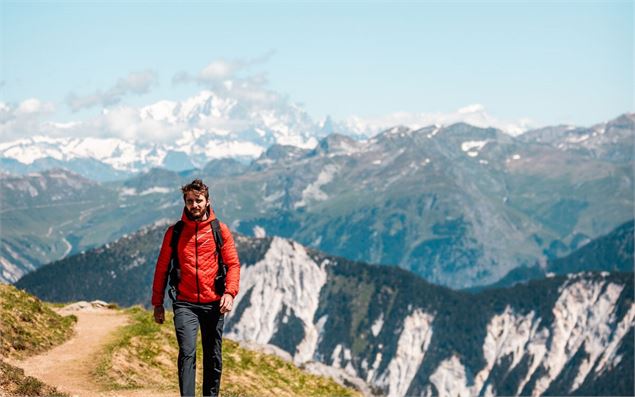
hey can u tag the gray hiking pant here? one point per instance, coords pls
(187, 319)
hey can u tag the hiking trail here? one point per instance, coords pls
(69, 366)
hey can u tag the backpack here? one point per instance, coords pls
(175, 269)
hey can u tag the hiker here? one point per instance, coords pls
(198, 260)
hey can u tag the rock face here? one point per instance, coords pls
(561, 335)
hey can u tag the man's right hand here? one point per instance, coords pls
(159, 314)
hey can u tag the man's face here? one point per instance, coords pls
(195, 204)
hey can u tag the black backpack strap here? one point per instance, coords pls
(175, 270)
(219, 282)
(218, 237)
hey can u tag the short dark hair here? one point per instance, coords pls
(197, 186)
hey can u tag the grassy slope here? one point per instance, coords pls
(144, 354)
(28, 326)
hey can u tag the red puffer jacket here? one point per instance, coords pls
(198, 262)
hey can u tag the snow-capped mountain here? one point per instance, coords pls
(560, 335)
(206, 126)
(459, 205)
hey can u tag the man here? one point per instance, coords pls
(197, 301)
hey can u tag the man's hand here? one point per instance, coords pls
(226, 303)
(159, 314)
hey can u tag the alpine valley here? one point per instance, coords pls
(459, 205)
(569, 334)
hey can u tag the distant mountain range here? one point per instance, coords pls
(211, 126)
(459, 205)
(560, 335)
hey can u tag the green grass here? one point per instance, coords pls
(29, 326)
(143, 355)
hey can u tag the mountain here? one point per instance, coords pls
(102, 159)
(37, 213)
(561, 335)
(459, 205)
(204, 127)
(610, 141)
(612, 252)
(88, 167)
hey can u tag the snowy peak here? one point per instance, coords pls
(187, 134)
(119, 154)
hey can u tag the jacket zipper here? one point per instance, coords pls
(198, 291)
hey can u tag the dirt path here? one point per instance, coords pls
(68, 366)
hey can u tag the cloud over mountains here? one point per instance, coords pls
(239, 102)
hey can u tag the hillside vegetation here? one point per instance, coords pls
(144, 354)
(28, 326)
(140, 357)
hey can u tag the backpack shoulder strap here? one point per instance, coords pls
(175, 271)
(219, 282)
(218, 237)
(176, 233)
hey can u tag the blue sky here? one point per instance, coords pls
(549, 62)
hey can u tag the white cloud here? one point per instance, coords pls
(234, 114)
(137, 83)
(33, 106)
(221, 71)
(24, 118)
(474, 108)
(126, 122)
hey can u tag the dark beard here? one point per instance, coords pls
(196, 218)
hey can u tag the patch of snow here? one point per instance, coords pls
(577, 139)
(434, 132)
(469, 145)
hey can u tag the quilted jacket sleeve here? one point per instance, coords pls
(161, 269)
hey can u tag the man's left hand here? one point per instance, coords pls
(226, 303)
